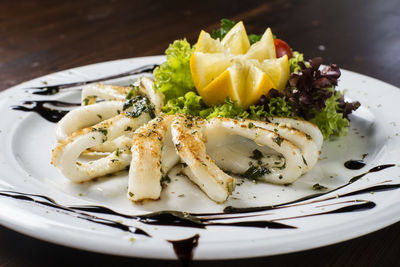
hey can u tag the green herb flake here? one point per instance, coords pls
(177, 146)
(257, 154)
(304, 161)
(102, 130)
(255, 172)
(165, 179)
(319, 187)
(86, 101)
(278, 140)
(139, 105)
(131, 92)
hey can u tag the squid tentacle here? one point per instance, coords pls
(67, 152)
(146, 169)
(202, 170)
(294, 164)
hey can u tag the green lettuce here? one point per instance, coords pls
(190, 103)
(193, 104)
(173, 77)
(294, 61)
(279, 107)
(229, 109)
(329, 120)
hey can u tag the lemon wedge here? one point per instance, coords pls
(278, 70)
(263, 49)
(232, 68)
(207, 67)
(236, 40)
(207, 44)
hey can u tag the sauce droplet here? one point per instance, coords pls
(354, 164)
(184, 248)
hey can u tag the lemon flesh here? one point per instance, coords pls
(232, 68)
(236, 40)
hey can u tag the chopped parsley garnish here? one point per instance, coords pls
(139, 105)
(278, 140)
(304, 161)
(165, 179)
(257, 154)
(102, 130)
(131, 92)
(255, 172)
(319, 187)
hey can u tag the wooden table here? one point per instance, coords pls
(40, 37)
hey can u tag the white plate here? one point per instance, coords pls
(27, 139)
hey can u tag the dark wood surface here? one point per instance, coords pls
(40, 37)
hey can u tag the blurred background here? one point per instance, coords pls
(44, 36)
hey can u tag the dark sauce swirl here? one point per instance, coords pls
(184, 248)
(50, 110)
(54, 89)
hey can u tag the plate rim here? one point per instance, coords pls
(6, 223)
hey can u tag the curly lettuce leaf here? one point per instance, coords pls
(173, 77)
(193, 104)
(190, 103)
(294, 61)
(329, 120)
(278, 106)
(229, 109)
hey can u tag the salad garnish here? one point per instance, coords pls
(310, 93)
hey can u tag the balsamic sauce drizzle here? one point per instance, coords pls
(181, 219)
(41, 107)
(54, 89)
(231, 209)
(350, 208)
(354, 164)
(55, 114)
(51, 203)
(184, 248)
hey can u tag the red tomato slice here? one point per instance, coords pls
(282, 48)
